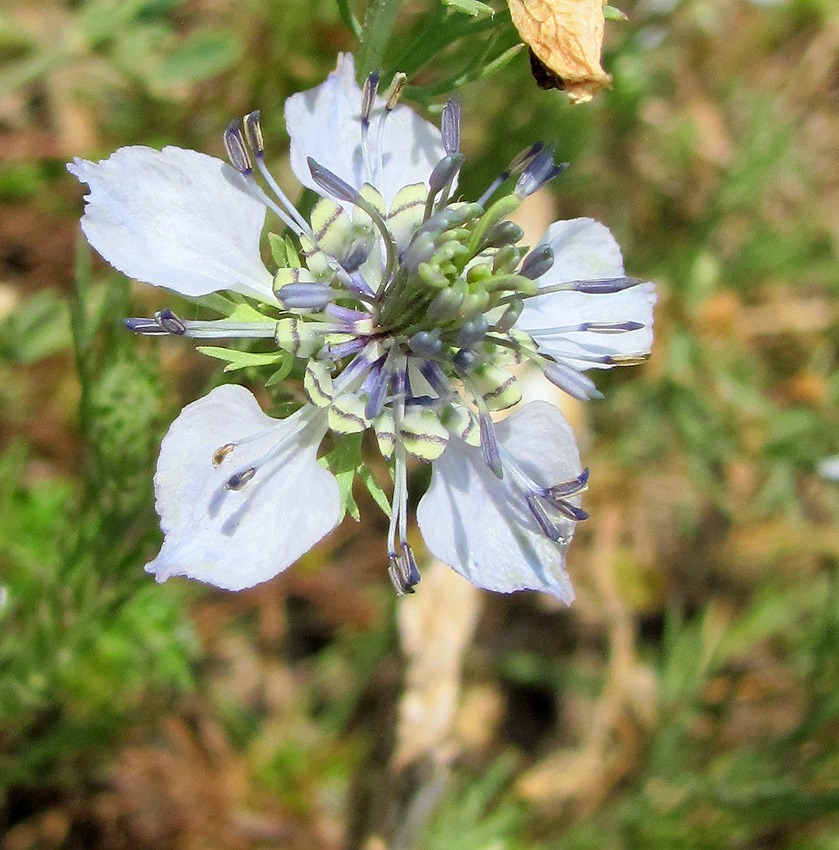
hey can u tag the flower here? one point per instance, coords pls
(408, 309)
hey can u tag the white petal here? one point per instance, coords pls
(324, 123)
(586, 250)
(481, 525)
(175, 218)
(238, 539)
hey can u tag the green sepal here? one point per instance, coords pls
(345, 462)
(282, 251)
(241, 359)
(610, 13)
(232, 306)
(283, 372)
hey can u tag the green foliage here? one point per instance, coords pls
(86, 645)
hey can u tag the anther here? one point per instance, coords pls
(537, 262)
(237, 152)
(170, 322)
(570, 488)
(571, 381)
(489, 444)
(221, 453)
(148, 327)
(403, 570)
(606, 286)
(547, 525)
(253, 133)
(611, 327)
(570, 511)
(394, 92)
(368, 96)
(378, 391)
(539, 171)
(450, 126)
(237, 482)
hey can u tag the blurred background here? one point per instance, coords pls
(688, 699)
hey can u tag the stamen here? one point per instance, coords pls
(394, 92)
(570, 488)
(450, 126)
(590, 327)
(570, 511)
(537, 262)
(368, 98)
(346, 315)
(342, 190)
(253, 134)
(516, 166)
(165, 322)
(437, 378)
(337, 351)
(237, 152)
(545, 522)
(489, 442)
(237, 482)
(540, 170)
(380, 386)
(571, 381)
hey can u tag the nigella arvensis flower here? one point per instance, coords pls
(409, 307)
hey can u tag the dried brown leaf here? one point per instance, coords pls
(565, 38)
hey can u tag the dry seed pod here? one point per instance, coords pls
(565, 38)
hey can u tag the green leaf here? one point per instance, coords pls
(241, 359)
(613, 14)
(204, 55)
(501, 61)
(471, 7)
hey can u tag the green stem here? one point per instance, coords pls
(378, 26)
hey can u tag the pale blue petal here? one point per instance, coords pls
(586, 250)
(175, 218)
(324, 123)
(482, 526)
(238, 539)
